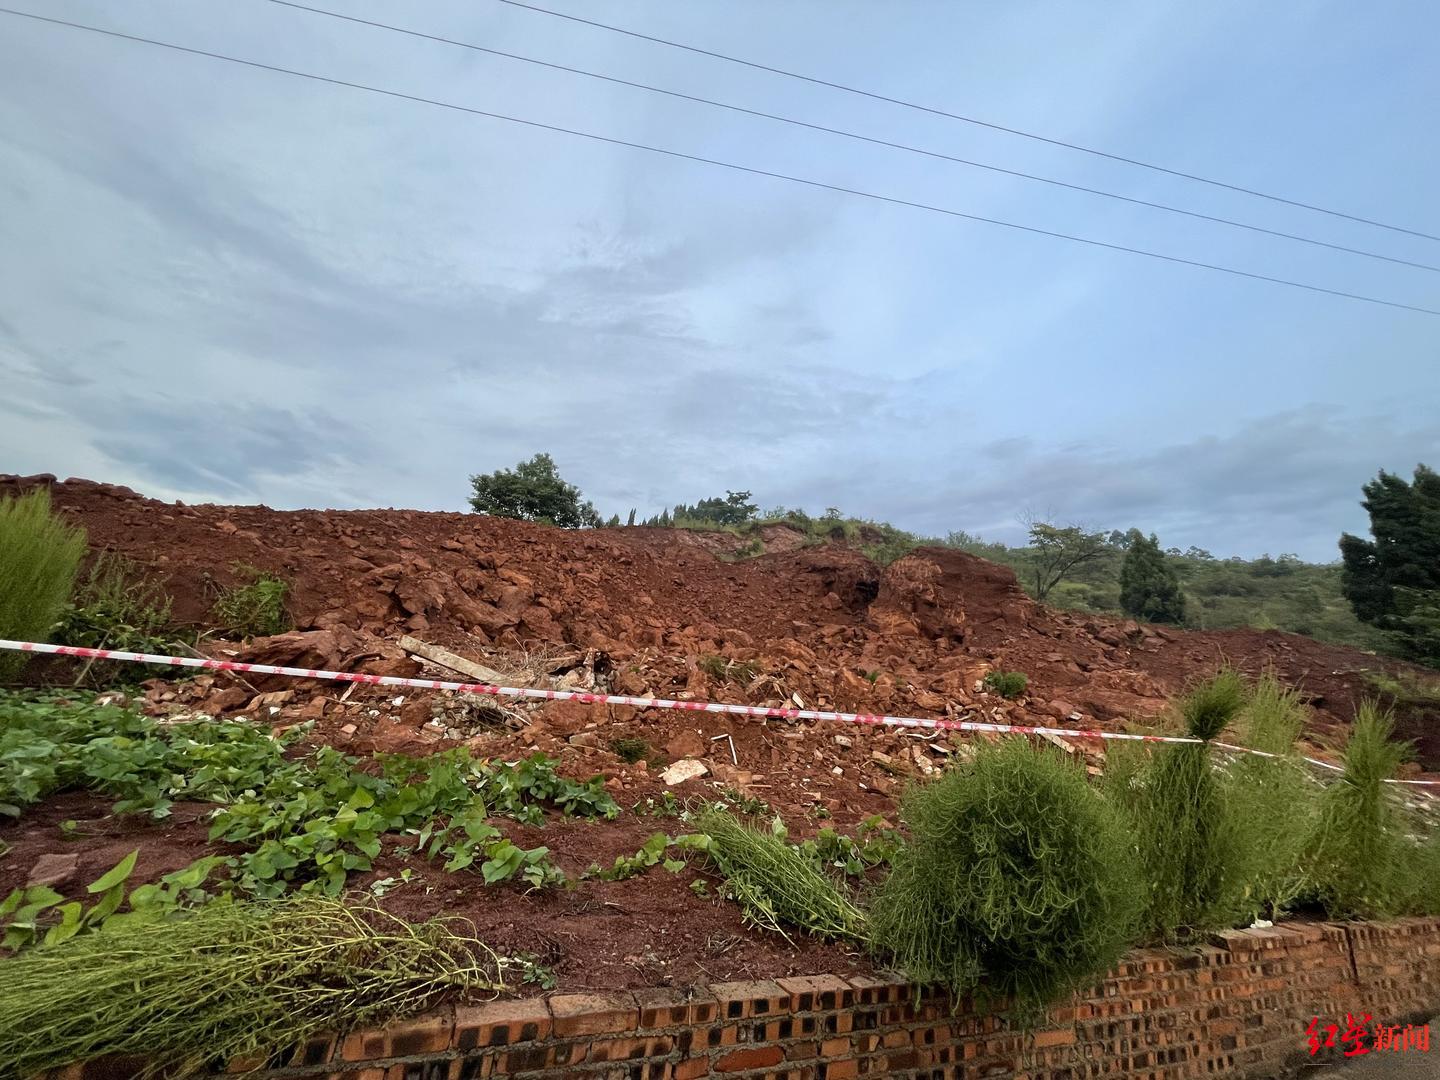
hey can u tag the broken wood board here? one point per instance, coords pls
(456, 663)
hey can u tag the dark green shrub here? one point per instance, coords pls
(255, 609)
(775, 883)
(39, 555)
(1358, 852)
(1190, 837)
(1017, 873)
(1008, 684)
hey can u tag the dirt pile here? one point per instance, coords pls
(820, 625)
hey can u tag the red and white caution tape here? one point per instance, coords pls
(872, 719)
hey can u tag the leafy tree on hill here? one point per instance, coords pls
(1149, 586)
(1056, 551)
(1393, 581)
(734, 509)
(532, 491)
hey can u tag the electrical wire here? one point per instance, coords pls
(970, 120)
(610, 140)
(854, 135)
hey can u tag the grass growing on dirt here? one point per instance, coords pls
(776, 884)
(226, 982)
(1017, 873)
(1191, 841)
(116, 606)
(1275, 796)
(631, 749)
(718, 667)
(39, 556)
(257, 608)
(1359, 857)
(1008, 684)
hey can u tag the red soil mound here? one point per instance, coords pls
(824, 622)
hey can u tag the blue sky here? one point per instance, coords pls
(223, 284)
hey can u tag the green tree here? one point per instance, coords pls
(1056, 551)
(734, 509)
(1393, 581)
(1149, 586)
(532, 491)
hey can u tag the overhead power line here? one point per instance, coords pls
(854, 135)
(874, 96)
(893, 200)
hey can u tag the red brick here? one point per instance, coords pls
(818, 993)
(667, 1006)
(839, 1070)
(832, 1048)
(691, 1068)
(422, 1035)
(500, 1023)
(738, 1000)
(1055, 1037)
(870, 990)
(753, 1057)
(593, 1014)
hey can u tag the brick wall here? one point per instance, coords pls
(1237, 1006)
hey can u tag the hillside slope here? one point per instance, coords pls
(821, 622)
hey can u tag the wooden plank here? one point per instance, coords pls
(456, 663)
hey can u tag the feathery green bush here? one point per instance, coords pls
(226, 981)
(1358, 852)
(1274, 798)
(1017, 873)
(1190, 839)
(39, 555)
(775, 883)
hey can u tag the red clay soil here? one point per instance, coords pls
(652, 612)
(654, 602)
(650, 930)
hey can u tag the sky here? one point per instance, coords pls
(226, 284)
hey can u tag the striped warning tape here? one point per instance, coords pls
(871, 719)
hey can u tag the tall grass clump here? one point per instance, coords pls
(1275, 796)
(775, 883)
(39, 556)
(1358, 853)
(257, 608)
(1190, 839)
(228, 981)
(1017, 873)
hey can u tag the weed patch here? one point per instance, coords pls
(630, 749)
(256, 608)
(1008, 684)
(775, 883)
(305, 822)
(718, 667)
